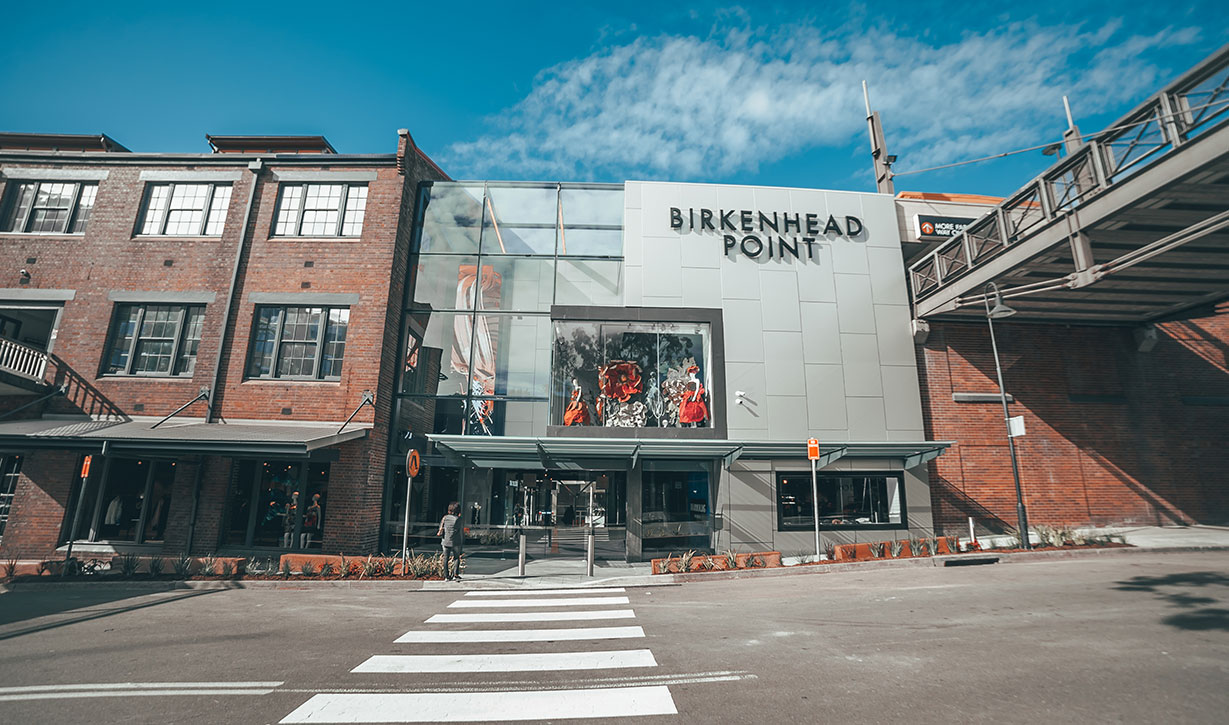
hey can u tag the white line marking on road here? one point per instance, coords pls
(530, 616)
(519, 635)
(527, 685)
(542, 592)
(142, 686)
(533, 662)
(126, 693)
(573, 602)
(480, 706)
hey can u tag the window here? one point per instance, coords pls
(848, 500)
(298, 342)
(10, 471)
(125, 500)
(320, 210)
(631, 374)
(185, 210)
(154, 340)
(34, 207)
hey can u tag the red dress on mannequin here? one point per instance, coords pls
(693, 409)
(577, 413)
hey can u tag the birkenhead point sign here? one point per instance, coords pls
(779, 235)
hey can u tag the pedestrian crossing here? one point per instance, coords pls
(551, 649)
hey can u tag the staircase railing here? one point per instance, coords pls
(23, 360)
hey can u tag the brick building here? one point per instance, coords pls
(247, 291)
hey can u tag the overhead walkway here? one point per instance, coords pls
(1131, 227)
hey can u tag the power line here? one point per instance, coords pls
(1083, 137)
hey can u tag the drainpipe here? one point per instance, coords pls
(254, 167)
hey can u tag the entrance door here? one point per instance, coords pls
(557, 509)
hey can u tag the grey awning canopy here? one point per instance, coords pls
(272, 440)
(622, 453)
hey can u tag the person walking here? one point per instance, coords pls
(451, 538)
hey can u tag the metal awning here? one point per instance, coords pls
(272, 440)
(576, 454)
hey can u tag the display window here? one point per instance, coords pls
(277, 504)
(127, 500)
(851, 499)
(631, 375)
(675, 506)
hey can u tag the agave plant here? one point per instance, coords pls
(731, 559)
(10, 568)
(156, 565)
(685, 560)
(182, 566)
(228, 569)
(896, 547)
(877, 549)
(307, 569)
(286, 570)
(128, 565)
(327, 569)
(209, 566)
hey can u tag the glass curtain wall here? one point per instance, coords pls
(489, 260)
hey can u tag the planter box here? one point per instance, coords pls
(239, 564)
(768, 559)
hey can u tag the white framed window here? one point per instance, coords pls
(47, 207)
(184, 210)
(320, 210)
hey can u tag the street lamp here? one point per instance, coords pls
(998, 312)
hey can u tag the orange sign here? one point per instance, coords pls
(85, 466)
(412, 463)
(813, 449)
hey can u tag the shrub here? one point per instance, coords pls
(369, 567)
(209, 566)
(128, 565)
(326, 569)
(10, 568)
(877, 549)
(896, 547)
(286, 571)
(830, 550)
(182, 566)
(307, 569)
(731, 559)
(44, 567)
(156, 565)
(686, 559)
(228, 569)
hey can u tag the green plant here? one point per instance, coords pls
(896, 546)
(878, 548)
(209, 566)
(326, 569)
(286, 571)
(307, 569)
(369, 567)
(182, 566)
(128, 565)
(915, 546)
(10, 568)
(156, 565)
(228, 569)
(830, 550)
(756, 562)
(708, 563)
(44, 567)
(731, 559)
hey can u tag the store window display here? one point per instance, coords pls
(277, 504)
(128, 502)
(641, 374)
(849, 500)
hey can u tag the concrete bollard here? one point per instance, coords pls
(520, 560)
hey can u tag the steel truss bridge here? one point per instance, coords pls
(1131, 227)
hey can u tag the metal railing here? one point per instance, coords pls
(1190, 106)
(23, 360)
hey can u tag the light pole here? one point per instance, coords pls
(998, 312)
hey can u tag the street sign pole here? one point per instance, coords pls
(72, 533)
(813, 454)
(412, 465)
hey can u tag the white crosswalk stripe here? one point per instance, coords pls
(629, 696)
(538, 602)
(517, 635)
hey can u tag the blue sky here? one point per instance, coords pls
(753, 93)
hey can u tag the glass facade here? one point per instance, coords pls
(489, 260)
(851, 500)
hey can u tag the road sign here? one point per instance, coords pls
(813, 449)
(412, 463)
(85, 466)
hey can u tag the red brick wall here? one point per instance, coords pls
(38, 504)
(1114, 435)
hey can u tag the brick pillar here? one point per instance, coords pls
(39, 501)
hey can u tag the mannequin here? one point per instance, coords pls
(577, 412)
(693, 411)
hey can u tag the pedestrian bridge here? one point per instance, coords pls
(1131, 227)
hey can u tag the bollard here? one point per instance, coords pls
(589, 554)
(972, 534)
(520, 562)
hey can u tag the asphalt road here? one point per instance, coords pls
(1139, 638)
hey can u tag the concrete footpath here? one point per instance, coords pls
(555, 573)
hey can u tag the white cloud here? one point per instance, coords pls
(687, 107)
